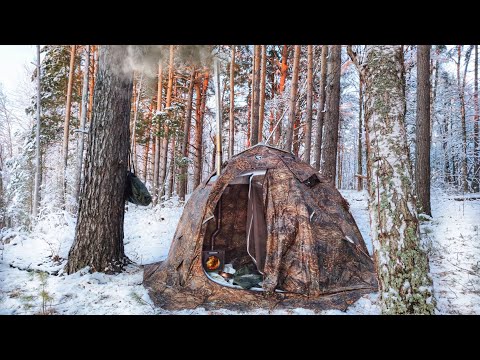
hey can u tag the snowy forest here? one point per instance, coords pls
(393, 128)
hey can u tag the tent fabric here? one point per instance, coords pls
(256, 225)
(314, 251)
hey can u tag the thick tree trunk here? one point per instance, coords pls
(402, 266)
(156, 164)
(164, 150)
(320, 109)
(360, 132)
(83, 120)
(231, 137)
(422, 155)
(308, 121)
(66, 125)
(330, 143)
(38, 170)
(261, 111)
(293, 100)
(256, 96)
(186, 139)
(281, 89)
(99, 230)
(476, 133)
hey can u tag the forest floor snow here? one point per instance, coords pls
(452, 237)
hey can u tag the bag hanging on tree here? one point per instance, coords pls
(135, 190)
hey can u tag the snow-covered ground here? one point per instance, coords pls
(453, 238)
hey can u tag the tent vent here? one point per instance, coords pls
(312, 181)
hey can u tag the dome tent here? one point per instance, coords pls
(270, 208)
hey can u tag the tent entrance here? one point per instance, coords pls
(238, 230)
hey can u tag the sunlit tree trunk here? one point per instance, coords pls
(156, 164)
(281, 88)
(293, 100)
(263, 75)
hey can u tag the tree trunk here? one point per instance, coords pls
(402, 266)
(231, 140)
(171, 179)
(36, 193)
(308, 121)
(476, 133)
(146, 151)
(320, 109)
(422, 155)
(83, 120)
(92, 80)
(293, 100)
(66, 125)
(256, 96)
(186, 139)
(281, 88)
(164, 150)
(197, 173)
(134, 124)
(461, 92)
(360, 132)
(156, 164)
(263, 75)
(330, 142)
(99, 230)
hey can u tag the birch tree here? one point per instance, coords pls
(402, 265)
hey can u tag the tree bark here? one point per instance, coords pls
(164, 150)
(402, 266)
(360, 132)
(99, 230)
(320, 109)
(476, 132)
(156, 164)
(66, 125)
(83, 120)
(308, 120)
(330, 143)
(293, 100)
(256, 96)
(231, 140)
(201, 101)
(146, 151)
(38, 170)
(263, 75)
(92, 80)
(186, 138)
(422, 154)
(138, 95)
(281, 88)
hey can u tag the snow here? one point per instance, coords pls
(452, 237)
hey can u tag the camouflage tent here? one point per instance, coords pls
(270, 208)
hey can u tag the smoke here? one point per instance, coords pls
(145, 58)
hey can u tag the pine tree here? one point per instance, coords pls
(99, 230)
